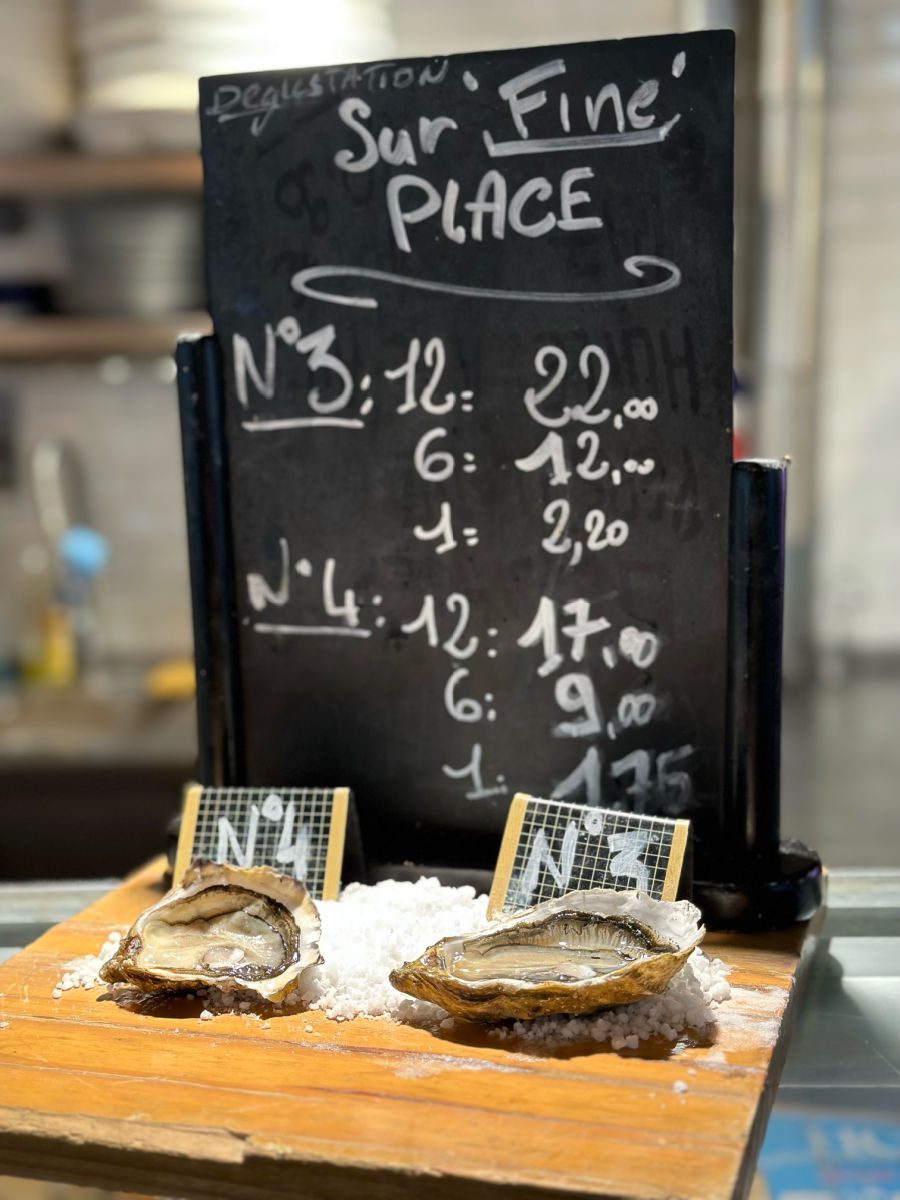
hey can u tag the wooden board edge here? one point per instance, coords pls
(676, 860)
(189, 813)
(99, 1152)
(334, 858)
(515, 819)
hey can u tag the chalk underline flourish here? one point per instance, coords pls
(635, 265)
(590, 141)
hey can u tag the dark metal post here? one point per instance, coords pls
(752, 800)
(761, 881)
(190, 402)
(222, 562)
(209, 546)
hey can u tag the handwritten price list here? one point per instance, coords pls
(476, 404)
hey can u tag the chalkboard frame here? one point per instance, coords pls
(221, 740)
(654, 571)
(199, 377)
(237, 738)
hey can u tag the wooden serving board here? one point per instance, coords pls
(298, 1105)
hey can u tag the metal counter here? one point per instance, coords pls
(845, 1052)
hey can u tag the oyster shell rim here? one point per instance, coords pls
(505, 998)
(202, 875)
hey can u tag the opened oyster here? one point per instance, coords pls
(582, 951)
(234, 928)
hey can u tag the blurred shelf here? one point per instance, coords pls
(69, 174)
(61, 338)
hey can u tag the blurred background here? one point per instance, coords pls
(100, 269)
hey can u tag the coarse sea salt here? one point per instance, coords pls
(84, 972)
(370, 930)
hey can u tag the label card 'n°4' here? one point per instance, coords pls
(297, 831)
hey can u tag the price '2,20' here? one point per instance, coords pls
(599, 534)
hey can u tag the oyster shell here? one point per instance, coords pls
(583, 951)
(234, 928)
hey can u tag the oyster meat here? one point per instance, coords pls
(583, 951)
(234, 928)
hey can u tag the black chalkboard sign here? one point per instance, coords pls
(474, 318)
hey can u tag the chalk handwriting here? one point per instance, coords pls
(316, 347)
(595, 141)
(627, 849)
(433, 466)
(456, 603)
(394, 147)
(575, 694)
(261, 594)
(536, 206)
(557, 514)
(633, 124)
(539, 857)
(584, 782)
(638, 646)
(626, 863)
(551, 363)
(586, 423)
(533, 209)
(435, 357)
(635, 265)
(462, 708)
(291, 851)
(258, 102)
(442, 532)
(472, 770)
(309, 630)
(658, 781)
(543, 631)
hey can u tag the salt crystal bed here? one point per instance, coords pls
(370, 930)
